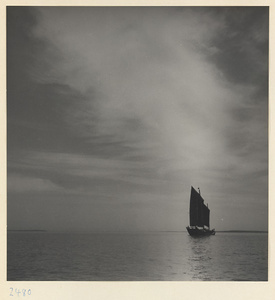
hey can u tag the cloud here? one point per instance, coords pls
(153, 86)
(147, 101)
(150, 89)
(25, 184)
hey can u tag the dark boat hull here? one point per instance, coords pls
(200, 232)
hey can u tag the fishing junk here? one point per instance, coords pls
(199, 215)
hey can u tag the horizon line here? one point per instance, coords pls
(129, 231)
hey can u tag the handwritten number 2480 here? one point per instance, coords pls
(20, 292)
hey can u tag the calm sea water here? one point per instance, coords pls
(137, 256)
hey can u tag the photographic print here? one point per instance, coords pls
(137, 143)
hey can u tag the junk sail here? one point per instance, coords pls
(199, 212)
(199, 215)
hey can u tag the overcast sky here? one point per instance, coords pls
(114, 112)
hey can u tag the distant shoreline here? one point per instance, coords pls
(252, 231)
(26, 230)
(229, 231)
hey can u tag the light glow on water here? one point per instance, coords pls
(152, 256)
